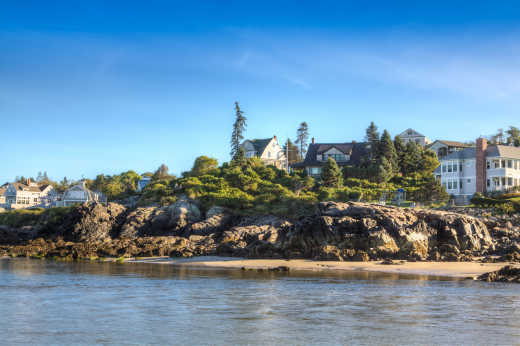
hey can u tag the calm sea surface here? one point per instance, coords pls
(46, 302)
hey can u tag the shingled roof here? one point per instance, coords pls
(260, 144)
(355, 150)
(503, 151)
(453, 144)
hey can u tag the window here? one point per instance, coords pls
(488, 164)
(496, 163)
(337, 157)
(503, 163)
(503, 181)
(510, 181)
(315, 170)
(469, 180)
(460, 184)
(509, 163)
(449, 184)
(443, 168)
(450, 167)
(454, 166)
(488, 183)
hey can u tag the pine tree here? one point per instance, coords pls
(302, 136)
(372, 137)
(292, 151)
(387, 150)
(331, 174)
(400, 151)
(237, 134)
(412, 158)
(429, 162)
(384, 170)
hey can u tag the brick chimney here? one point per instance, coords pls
(274, 137)
(28, 181)
(312, 140)
(481, 164)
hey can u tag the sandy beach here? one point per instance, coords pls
(447, 269)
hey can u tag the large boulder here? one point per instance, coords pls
(182, 213)
(95, 221)
(217, 219)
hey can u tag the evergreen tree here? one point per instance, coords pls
(384, 170)
(387, 150)
(237, 134)
(331, 174)
(372, 137)
(400, 151)
(429, 161)
(412, 158)
(292, 151)
(302, 136)
(203, 165)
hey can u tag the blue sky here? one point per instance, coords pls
(89, 87)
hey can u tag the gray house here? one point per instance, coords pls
(79, 194)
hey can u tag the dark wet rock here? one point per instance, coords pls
(505, 274)
(338, 231)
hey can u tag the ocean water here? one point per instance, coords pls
(47, 302)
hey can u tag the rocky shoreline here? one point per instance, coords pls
(349, 231)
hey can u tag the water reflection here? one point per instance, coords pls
(46, 302)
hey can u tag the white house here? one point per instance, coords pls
(19, 196)
(268, 150)
(481, 169)
(3, 188)
(141, 184)
(79, 194)
(411, 135)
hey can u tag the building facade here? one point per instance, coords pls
(79, 194)
(411, 135)
(268, 150)
(20, 196)
(443, 148)
(141, 184)
(345, 154)
(482, 169)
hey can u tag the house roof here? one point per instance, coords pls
(452, 143)
(503, 151)
(345, 148)
(410, 133)
(259, 144)
(355, 150)
(24, 187)
(466, 153)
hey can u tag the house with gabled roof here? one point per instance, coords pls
(268, 150)
(29, 194)
(3, 188)
(410, 135)
(480, 169)
(345, 154)
(79, 194)
(443, 148)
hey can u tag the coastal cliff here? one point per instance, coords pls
(337, 231)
